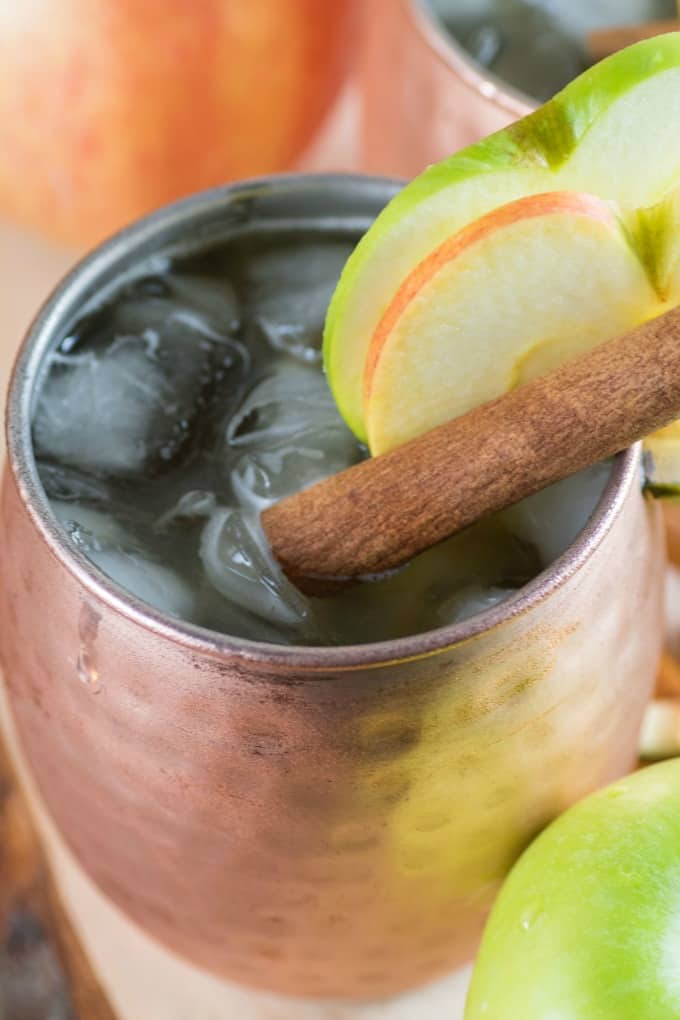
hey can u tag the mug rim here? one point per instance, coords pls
(200, 640)
(446, 48)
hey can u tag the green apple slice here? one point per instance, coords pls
(612, 132)
(655, 234)
(448, 197)
(662, 462)
(512, 295)
(660, 734)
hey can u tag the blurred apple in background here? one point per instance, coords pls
(110, 108)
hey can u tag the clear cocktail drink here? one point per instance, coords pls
(180, 406)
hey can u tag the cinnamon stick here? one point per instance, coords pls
(380, 513)
(605, 41)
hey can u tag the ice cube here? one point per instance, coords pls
(471, 600)
(240, 565)
(551, 519)
(191, 506)
(301, 344)
(128, 389)
(135, 405)
(289, 288)
(209, 306)
(466, 574)
(92, 530)
(224, 616)
(96, 412)
(151, 582)
(66, 484)
(260, 479)
(214, 305)
(292, 436)
(120, 556)
(291, 402)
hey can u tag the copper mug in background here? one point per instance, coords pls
(424, 94)
(327, 822)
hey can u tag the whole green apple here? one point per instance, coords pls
(587, 926)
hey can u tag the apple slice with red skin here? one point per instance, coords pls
(509, 297)
(612, 132)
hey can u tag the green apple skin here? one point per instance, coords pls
(612, 132)
(587, 926)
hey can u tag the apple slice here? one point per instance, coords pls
(612, 132)
(519, 291)
(662, 462)
(660, 733)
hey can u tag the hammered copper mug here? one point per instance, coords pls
(329, 822)
(423, 96)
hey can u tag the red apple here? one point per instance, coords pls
(109, 108)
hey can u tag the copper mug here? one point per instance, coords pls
(423, 96)
(328, 822)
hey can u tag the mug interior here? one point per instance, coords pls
(447, 48)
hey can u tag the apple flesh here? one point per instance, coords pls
(662, 462)
(514, 294)
(588, 923)
(612, 132)
(112, 108)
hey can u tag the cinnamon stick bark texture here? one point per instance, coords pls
(605, 41)
(380, 513)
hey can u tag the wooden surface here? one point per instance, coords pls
(382, 512)
(43, 969)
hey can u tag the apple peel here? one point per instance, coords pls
(611, 133)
